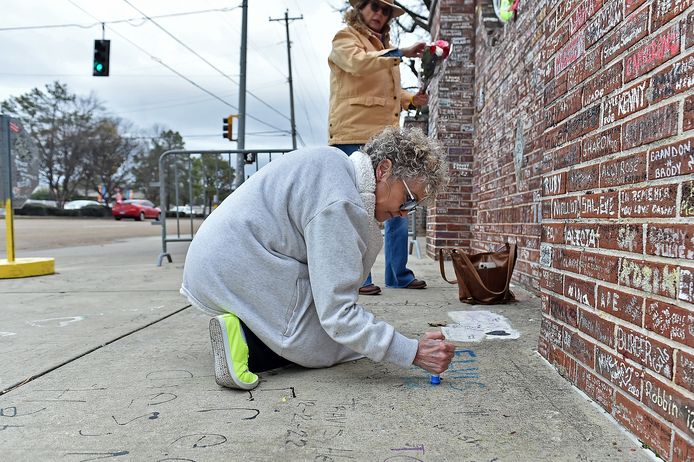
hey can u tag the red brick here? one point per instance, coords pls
(643, 349)
(565, 208)
(579, 290)
(600, 391)
(682, 449)
(626, 237)
(688, 113)
(620, 304)
(551, 331)
(674, 79)
(564, 108)
(684, 371)
(563, 311)
(601, 267)
(625, 375)
(650, 277)
(670, 241)
(551, 280)
(567, 156)
(625, 170)
(631, 5)
(653, 53)
(631, 31)
(584, 68)
(554, 184)
(670, 321)
(583, 122)
(582, 235)
(603, 84)
(603, 143)
(652, 126)
(583, 12)
(689, 31)
(652, 201)
(579, 347)
(668, 403)
(599, 328)
(553, 234)
(609, 16)
(583, 178)
(556, 40)
(687, 203)
(648, 428)
(555, 137)
(664, 10)
(686, 292)
(671, 160)
(627, 102)
(555, 89)
(604, 205)
(569, 53)
(568, 260)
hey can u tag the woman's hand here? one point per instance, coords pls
(420, 99)
(433, 353)
(414, 51)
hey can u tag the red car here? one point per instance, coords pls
(139, 209)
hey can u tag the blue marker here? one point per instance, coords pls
(435, 379)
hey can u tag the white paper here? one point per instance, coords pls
(475, 326)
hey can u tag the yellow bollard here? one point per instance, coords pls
(22, 267)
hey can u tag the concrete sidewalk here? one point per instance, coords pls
(114, 364)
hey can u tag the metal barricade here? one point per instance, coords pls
(412, 233)
(181, 158)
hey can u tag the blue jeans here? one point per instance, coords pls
(396, 241)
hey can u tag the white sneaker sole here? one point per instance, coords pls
(223, 367)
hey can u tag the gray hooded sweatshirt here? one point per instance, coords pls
(287, 253)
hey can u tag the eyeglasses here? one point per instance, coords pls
(411, 203)
(378, 6)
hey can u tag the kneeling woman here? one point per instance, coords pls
(279, 263)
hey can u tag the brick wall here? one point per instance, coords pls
(583, 135)
(450, 120)
(617, 230)
(508, 138)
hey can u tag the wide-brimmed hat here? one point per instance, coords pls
(397, 11)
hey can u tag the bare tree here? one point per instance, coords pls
(59, 123)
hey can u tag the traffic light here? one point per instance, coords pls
(102, 50)
(227, 124)
(249, 157)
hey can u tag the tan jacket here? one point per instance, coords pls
(365, 93)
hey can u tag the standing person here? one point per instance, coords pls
(279, 263)
(366, 97)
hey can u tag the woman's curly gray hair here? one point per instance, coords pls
(413, 155)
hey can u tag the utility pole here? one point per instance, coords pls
(241, 137)
(289, 59)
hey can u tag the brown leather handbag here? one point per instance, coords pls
(482, 278)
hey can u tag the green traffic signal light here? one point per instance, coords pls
(102, 50)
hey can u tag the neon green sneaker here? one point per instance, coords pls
(230, 353)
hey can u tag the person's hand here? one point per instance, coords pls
(433, 353)
(420, 99)
(414, 51)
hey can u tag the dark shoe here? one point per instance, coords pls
(416, 284)
(371, 289)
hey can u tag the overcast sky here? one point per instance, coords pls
(142, 89)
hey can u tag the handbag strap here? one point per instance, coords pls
(511, 263)
(443, 271)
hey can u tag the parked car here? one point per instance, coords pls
(139, 209)
(79, 204)
(187, 210)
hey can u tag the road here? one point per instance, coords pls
(39, 233)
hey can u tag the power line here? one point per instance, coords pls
(199, 56)
(89, 26)
(178, 73)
